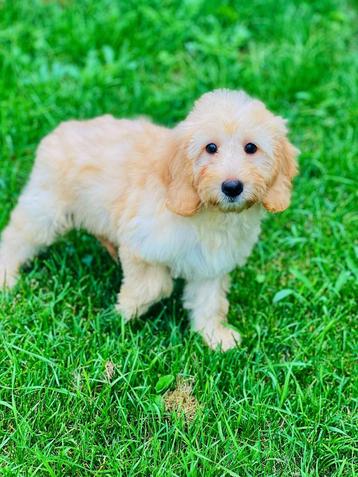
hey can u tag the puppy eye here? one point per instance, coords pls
(250, 148)
(211, 148)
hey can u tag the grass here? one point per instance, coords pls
(80, 394)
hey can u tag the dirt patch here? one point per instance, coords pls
(181, 401)
(109, 370)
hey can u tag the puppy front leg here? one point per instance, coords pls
(208, 306)
(143, 285)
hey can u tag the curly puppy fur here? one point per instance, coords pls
(155, 195)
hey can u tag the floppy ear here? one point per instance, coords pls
(182, 198)
(278, 196)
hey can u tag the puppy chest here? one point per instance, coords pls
(212, 253)
(194, 248)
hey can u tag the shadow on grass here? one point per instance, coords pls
(79, 267)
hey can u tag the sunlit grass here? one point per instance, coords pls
(285, 402)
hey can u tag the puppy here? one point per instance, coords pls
(184, 202)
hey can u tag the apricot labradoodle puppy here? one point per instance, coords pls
(184, 202)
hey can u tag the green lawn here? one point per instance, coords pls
(80, 394)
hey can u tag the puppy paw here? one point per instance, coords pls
(129, 310)
(126, 312)
(7, 279)
(221, 337)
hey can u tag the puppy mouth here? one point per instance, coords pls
(218, 200)
(232, 204)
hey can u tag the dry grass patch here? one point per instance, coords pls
(181, 400)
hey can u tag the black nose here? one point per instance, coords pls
(232, 187)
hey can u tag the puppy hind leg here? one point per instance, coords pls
(143, 285)
(34, 223)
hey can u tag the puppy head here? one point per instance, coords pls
(231, 153)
